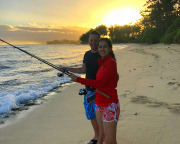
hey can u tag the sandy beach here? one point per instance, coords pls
(149, 93)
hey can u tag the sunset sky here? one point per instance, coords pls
(20, 20)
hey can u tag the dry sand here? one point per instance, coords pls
(149, 93)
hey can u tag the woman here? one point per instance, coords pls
(107, 103)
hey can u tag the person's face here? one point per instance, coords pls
(93, 42)
(103, 49)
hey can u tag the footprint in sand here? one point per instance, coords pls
(157, 104)
(148, 101)
(127, 92)
(153, 103)
(174, 107)
(142, 51)
(171, 83)
(176, 85)
(141, 99)
(151, 86)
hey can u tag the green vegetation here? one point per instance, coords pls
(172, 34)
(102, 30)
(160, 23)
(123, 34)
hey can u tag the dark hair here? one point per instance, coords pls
(93, 32)
(108, 41)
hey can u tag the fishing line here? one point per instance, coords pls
(40, 59)
(64, 71)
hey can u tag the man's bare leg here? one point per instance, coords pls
(95, 128)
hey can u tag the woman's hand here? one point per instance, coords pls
(73, 77)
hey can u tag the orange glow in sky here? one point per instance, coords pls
(46, 20)
(121, 17)
(69, 13)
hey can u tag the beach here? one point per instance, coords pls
(149, 94)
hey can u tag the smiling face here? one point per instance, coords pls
(93, 42)
(104, 49)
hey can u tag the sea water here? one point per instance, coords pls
(23, 78)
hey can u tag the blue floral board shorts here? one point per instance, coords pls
(89, 107)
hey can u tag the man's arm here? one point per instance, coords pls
(80, 70)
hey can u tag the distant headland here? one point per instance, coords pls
(63, 42)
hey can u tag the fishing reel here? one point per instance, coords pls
(61, 74)
(83, 91)
(89, 95)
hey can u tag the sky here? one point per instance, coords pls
(42, 20)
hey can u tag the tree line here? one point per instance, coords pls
(160, 22)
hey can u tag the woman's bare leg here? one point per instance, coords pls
(100, 126)
(110, 129)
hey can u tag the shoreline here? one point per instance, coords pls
(29, 106)
(55, 111)
(148, 89)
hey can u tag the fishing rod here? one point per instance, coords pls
(40, 59)
(64, 71)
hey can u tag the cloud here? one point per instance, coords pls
(39, 34)
(6, 28)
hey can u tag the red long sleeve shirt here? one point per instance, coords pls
(106, 81)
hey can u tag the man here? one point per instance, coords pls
(90, 67)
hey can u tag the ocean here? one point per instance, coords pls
(24, 79)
